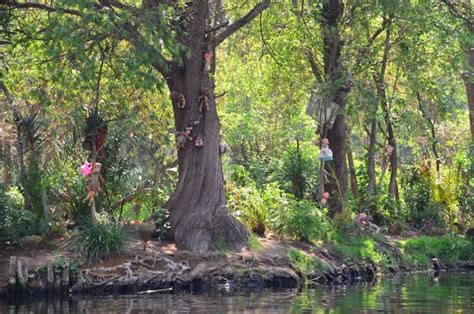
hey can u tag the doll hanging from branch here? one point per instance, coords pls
(94, 181)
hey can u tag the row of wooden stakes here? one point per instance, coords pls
(56, 280)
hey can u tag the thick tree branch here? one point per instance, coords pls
(232, 28)
(39, 6)
(461, 9)
(315, 68)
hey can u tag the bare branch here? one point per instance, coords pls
(218, 27)
(232, 28)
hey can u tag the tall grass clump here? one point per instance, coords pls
(99, 241)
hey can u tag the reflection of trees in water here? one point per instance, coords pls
(448, 293)
(258, 302)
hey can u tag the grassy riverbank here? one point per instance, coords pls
(269, 262)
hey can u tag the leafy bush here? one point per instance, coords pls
(247, 204)
(16, 222)
(302, 220)
(99, 241)
(448, 248)
(297, 165)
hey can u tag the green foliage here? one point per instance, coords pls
(271, 208)
(59, 262)
(362, 249)
(302, 220)
(16, 222)
(298, 166)
(448, 248)
(254, 243)
(101, 240)
(247, 204)
(305, 263)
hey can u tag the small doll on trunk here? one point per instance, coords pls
(183, 137)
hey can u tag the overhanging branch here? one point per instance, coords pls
(232, 28)
(38, 6)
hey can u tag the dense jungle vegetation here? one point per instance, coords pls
(389, 84)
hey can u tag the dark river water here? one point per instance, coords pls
(449, 293)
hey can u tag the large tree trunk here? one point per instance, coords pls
(332, 12)
(198, 213)
(469, 82)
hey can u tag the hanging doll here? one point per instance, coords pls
(324, 199)
(199, 142)
(207, 61)
(204, 100)
(179, 99)
(325, 154)
(94, 180)
(86, 168)
(183, 137)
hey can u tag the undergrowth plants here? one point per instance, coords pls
(100, 240)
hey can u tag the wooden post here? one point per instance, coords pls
(57, 280)
(22, 270)
(12, 276)
(65, 279)
(50, 278)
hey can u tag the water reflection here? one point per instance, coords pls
(416, 293)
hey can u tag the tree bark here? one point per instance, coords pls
(391, 140)
(371, 159)
(332, 12)
(7, 176)
(352, 172)
(198, 213)
(379, 80)
(431, 124)
(468, 77)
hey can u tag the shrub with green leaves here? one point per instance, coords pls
(302, 220)
(448, 248)
(16, 222)
(101, 240)
(247, 204)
